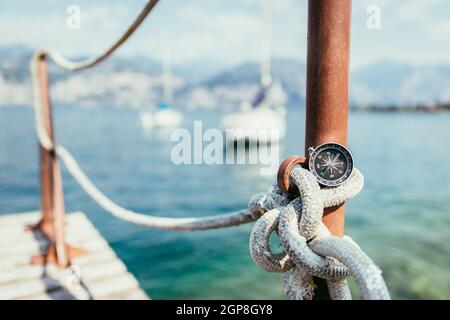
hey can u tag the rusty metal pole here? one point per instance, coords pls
(52, 200)
(327, 89)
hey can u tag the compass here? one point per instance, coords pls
(331, 163)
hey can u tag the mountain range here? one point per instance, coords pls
(136, 82)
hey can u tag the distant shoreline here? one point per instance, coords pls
(368, 109)
(392, 109)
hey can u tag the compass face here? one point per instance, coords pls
(331, 164)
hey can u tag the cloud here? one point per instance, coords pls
(439, 31)
(99, 25)
(230, 34)
(412, 31)
(227, 31)
(419, 10)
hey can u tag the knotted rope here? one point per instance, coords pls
(309, 248)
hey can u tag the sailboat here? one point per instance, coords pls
(163, 115)
(267, 110)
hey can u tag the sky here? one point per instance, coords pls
(224, 33)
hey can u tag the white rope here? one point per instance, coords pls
(197, 223)
(309, 248)
(69, 65)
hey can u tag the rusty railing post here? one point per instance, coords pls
(327, 89)
(52, 199)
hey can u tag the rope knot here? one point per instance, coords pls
(307, 246)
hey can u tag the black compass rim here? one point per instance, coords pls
(332, 145)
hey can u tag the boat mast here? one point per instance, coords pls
(167, 72)
(266, 77)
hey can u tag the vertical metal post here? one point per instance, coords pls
(327, 88)
(52, 200)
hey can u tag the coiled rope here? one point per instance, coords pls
(309, 249)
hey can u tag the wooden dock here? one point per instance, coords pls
(97, 275)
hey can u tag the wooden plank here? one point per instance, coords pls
(22, 217)
(28, 271)
(93, 247)
(102, 274)
(135, 294)
(55, 278)
(13, 232)
(36, 246)
(105, 287)
(60, 294)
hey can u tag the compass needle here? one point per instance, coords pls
(331, 163)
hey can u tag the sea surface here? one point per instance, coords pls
(401, 218)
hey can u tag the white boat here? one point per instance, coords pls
(264, 123)
(267, 112)
(163, 116)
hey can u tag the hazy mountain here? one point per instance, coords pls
(243, 81)
(136, 82)
(395, 83)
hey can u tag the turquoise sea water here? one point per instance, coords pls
(401, 218)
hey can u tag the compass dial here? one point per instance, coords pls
(331, 164)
